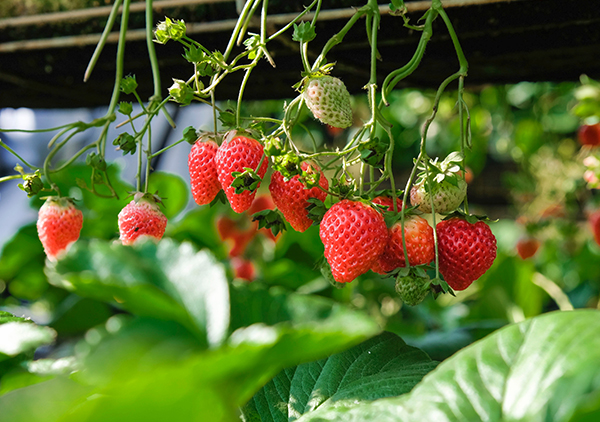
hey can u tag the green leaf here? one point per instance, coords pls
(304, 32)
(166, 281)
(373, 152)
(20, 336)
(542, 369)
(270, 219)
(380, 367)
(142, 369)
(8, 317)
(173, 190)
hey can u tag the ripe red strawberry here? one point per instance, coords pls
(419, 245)
(589, 135)
(329, 101)
(291, 196)
(412, 288)
(203, 171)
(527, 247)
(243, 269)
(466, 251)
(387, 201)
(59, 224)
(141, 217)
(234, 235)
(354, 235)
(594, 220)
(234, 156)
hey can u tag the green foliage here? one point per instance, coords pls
(380, 367)
(500, 378)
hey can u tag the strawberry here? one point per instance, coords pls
(235, 236)
(59, 224)
(446, 196)
(291, 196)
(234, 156)
(354, 235)
(594, 221)
(203, 171)
(328, 100)
(141, 218)
(445, 186)
(527, 247)
(387, 202)
(412, 288)
(589, 135)
(243, 269)
(419, 245)
(466, 251)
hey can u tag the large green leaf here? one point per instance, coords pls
(21, 335)
(168, 281)
(542, 369)
(152, 370)
(383, 366)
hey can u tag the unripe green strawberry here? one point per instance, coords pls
(141, 217)
(291, 197)
(203, 171)
(446, 196)
(466, 251)
(329, 101)
(419, 245)
(412, 288)
(354, 235)
(59, 224)
(234, 156)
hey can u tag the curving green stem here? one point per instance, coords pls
(103, 38)
(396, 76)
(13, 177)
(9, 149)
(339, 37)
(463, 136)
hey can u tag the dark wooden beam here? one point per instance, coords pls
(42, 65)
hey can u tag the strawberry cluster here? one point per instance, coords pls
(354, 232)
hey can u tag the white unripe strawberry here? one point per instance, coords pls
(329, 101)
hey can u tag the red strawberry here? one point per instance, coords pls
(527, 247)
(236, 237)
(234, 156)
(59, 224)
(589, 135)
(243, 269)
(419, 245)
(291, 196)
(354, 235)
(466, 251)
(141, 217)
(203, 171)
(594, 220)
(387, 201)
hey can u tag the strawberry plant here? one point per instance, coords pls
(220, 313)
